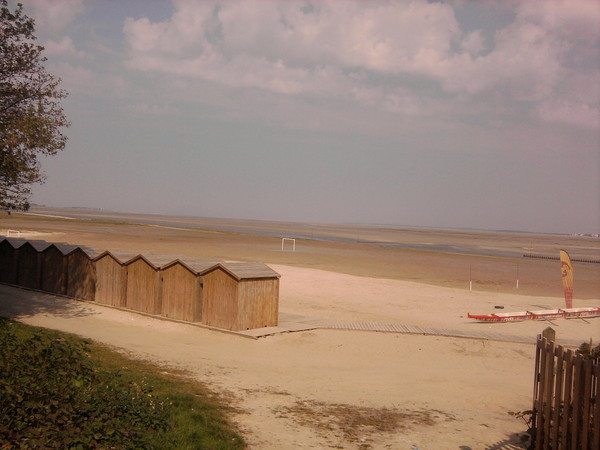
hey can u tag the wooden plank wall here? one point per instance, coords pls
(81, 276)
(53, 271)
(28, 266)
(220, 300)
(143, 287)
(181, 293)
(565, 404)
(8, 263)
(111, 281)
(215, 298)
(258, 303)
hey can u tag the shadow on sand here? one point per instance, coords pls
(16, 303)
(512, 443)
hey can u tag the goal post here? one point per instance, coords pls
(292, 240)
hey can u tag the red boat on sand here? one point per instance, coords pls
(547, 314)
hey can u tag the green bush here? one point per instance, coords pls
(53, 396)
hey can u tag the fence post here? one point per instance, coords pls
(549, 334)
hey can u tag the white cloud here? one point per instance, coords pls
(318, 48)
(81, 80)
(65, 48)
(55, 15)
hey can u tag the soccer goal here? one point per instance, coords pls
(15, 233)
(288, 241)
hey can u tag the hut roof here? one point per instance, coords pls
(38, 245)
(248, 270)
(152, 260)
(65, 249)
(196, 266)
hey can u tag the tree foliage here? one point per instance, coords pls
(31, 117)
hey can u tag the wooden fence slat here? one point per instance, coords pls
(576, 402)
(587, 394)
(548, 391)
(596, 410)
(538, 408)
(558, 394)
(567, 400)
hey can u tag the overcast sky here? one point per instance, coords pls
(458, 114)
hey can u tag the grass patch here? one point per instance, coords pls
(61, 391)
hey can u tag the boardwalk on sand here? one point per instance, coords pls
(291, 323)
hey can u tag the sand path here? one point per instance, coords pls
(341, 389)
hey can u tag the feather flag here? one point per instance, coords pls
(566, 269)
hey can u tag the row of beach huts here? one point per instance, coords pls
(228, 295)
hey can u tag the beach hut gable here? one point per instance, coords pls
(111, 280)
(143, 286)
(143, 258)
(81, 275)
(180, 263)
(53, 270)
(240, 296)
(107, 254)
(28, 262)
(181, 292)
(8, 262)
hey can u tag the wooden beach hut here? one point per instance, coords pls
(240, 296)
(8, 262)
(111, 280)
(29, 264)
(81, 275)
(182, 289)
(53, 275)
(143, 286)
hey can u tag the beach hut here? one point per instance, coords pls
(8, 262)
(111, 280)
(240, 296)
(29, 264)
(182, 289)
(53, 275)
(181, 292)
(143, 286)
(81, 275)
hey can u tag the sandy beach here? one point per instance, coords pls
(338, 388)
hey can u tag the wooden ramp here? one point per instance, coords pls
(292, 323)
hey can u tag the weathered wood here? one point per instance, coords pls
(240, 296)
(548, 390)
(8, 262)
(181, 292)
(596, 406)
(28, 266)
(585, 403)
(258, 303)
(219, 299)
(111, 280)
(53, 271)
(539, 404)
(565, 399)
(567, 407)
(81, 275)
(558, 396)
(143, 286)
(576, 402)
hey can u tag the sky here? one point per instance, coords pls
(469, 114)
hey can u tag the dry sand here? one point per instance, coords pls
(342, 389)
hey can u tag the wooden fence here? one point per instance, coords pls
(172, 290)
(565, 398)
